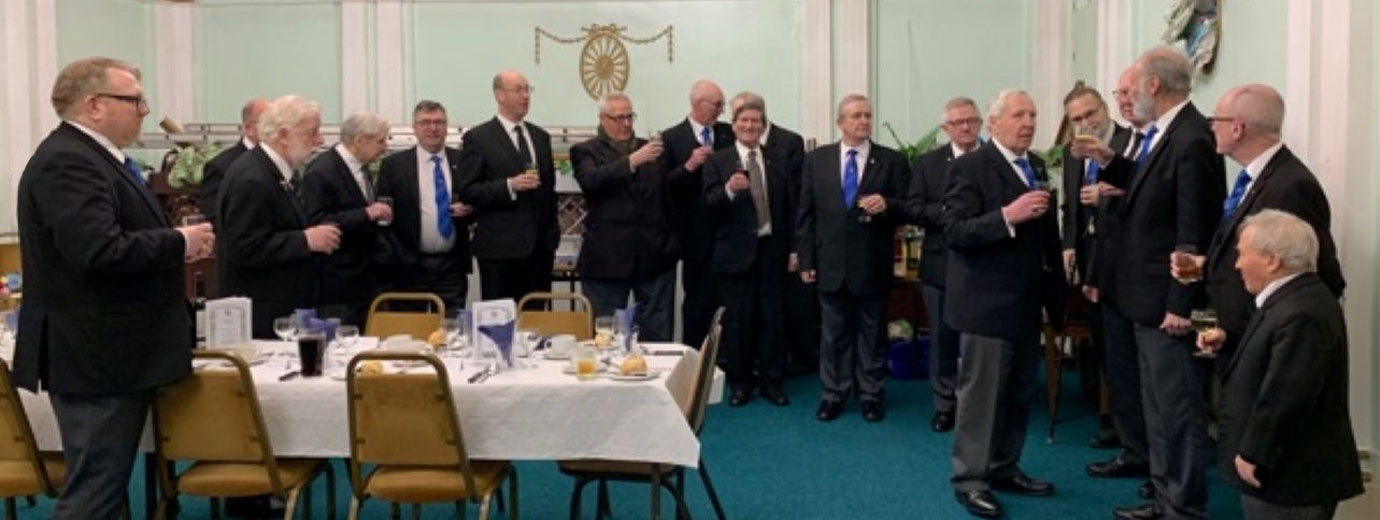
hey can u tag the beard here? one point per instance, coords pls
(1142, 104)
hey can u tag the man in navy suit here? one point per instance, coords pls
(214, 171)
(105, 319)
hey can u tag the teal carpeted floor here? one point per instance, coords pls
(780, 463)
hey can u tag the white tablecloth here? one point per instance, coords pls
(524, 414)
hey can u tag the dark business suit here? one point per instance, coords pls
(1173, 198)
(802, 303)
(925, 206)
(211, 177)
(515, 239)
(628, 245)
(852, 264)
(409, 269)
(105, 319)
(693, 226)
(330, 193)
(261, 244)
(751, 270)
(995, 285)
(1284, 402)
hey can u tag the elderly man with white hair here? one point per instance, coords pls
(336, 188)
(268, 247)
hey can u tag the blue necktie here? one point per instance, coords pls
(1238, 191)
(1093, 169)
(850, 179)
(1030, 179)
(704, 137)
(1145, 145)
(443, 223)
(133, 169)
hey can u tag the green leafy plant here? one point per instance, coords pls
(191, 160)
(917, 148)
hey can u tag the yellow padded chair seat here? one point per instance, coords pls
(16, 476)
(421, 484)
(230, 479)
(611, 466)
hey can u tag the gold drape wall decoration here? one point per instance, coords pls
(604, 65)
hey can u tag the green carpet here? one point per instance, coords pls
(780, 463)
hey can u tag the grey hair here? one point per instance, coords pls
(746, 96)
(427, 105)
(959, 101)
(362, 124)
(1171, 66)
(750, 104)
(999, 103)
(1258, 105)
(286, 112)
(851, 98)
(1284, 236)
(610, 97)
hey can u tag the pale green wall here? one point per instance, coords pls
(1083, 26)
(928, 51)
(121, 29)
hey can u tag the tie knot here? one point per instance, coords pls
(852, 152)
(1020, 161)
(752, 154)
(1150, 133)
(436, 159)
(1243, 177)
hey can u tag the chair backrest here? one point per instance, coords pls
(213, 416)
(385, 320)
(16, 437)
(704, 374)
(578, 322)
(404, 419)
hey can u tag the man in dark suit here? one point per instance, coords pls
(852, 197)
(1287, 442)
(428, 240)
(1004, 250)
(336, 190)
(925, 205)
(628, 247)
(1173, 201)
(687, 146)
(214, 171)
(267, 246)
(507, 174)
(751, 199)
(105, 320)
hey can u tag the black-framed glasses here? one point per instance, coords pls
(623, 118)
(1220, 119)
(137, 100)
(972, 121)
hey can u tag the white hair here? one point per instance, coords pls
(1171, 66)
(286, 112)
(362, 124)
(999, 103)
(1284, 236)
(610, 97)
(848, 100)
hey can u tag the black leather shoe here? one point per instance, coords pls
(740, 397)
(979, 503)
(775, 396)
(872, 411)
(942, 421)
(829, 410)
(1141, 512)
(1105, 439)
(1146, 490)
(1022, 484)
(1117, 467)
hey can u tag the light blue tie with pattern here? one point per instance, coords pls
(1030, 178)
(1238, 191)
(850, 179)
(443, 224)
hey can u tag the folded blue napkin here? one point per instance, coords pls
(627, 323)
(502, 336)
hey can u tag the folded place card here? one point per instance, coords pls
(229, 323)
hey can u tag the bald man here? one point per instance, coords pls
(215, 169)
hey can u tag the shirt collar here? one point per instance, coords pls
(862, 149)
(1258, 164)
(351, 161)
(1008, 154)
(743, 149)
(766, 131)
(101, 140)
(508, 125)
(1165, 119)
(958, 152)
(248, 145)
(1271, 287)
(284, 169)
(424, 156)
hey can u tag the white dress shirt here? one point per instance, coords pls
(1257, 166)
(109, 146)
(356, 170)
(429, 237)
(248, 145)
(284, 169)
(1020, 175)
(761, 163)
(1162, 124)
(864, 150)
(508, 127)
(958, 152)
(696, 128)
(1271, 287)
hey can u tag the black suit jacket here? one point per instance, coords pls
(735, 233)
(843, 252)
(508, 228)
(260, 244)
(690, 220)
(212, 175)
(1284, 184)
(1284, 400)
(401, 240)
(627, 235)
(1174, 198)
(785, 145)
(925, 207)
(996, 282)
(1076, 216)
(329, 193)
(104, 310)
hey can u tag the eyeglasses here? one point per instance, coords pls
(137, 100)
(430, 122)
(1220, 119)
(520, 90)
(623, 118)
(972, 121)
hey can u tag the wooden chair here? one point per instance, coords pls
(1077, 331)
(658, 475)
(213, 419)
(24, 471)
(578, 322)
(385, 320)
(406, 425)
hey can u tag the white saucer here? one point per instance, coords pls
(651, 374)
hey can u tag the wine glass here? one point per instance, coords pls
(285, 327)
(387, 201)
(1203, 320)
(603, 331)
(1182, 257)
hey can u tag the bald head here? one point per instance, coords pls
(706, 102)
(1258, 106)
(249, 118)
(513, 94)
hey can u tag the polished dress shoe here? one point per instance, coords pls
(740, 397)
(1146, 490)
(979, 503)
(829, 410)
(775, 396)
(872, 411)
(1022, 484)
(942, 421)
(1117, 467)
(1141, 512)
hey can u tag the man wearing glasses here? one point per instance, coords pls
(105, 319)
(628, 246)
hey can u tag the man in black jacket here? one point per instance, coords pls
(628, 246)
(214, 171)
(1287, 442)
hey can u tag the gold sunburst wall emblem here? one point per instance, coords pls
(604, 65)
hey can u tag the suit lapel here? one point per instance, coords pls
(286, 192)
(1224, 230)
(1005, 171)
(1166, 136)
(869, 171)
(344, 175)
(410, 196)
(1246, 336)
(123, 174)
